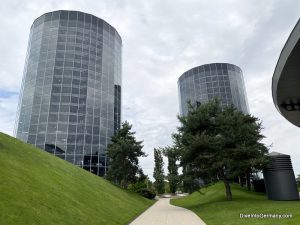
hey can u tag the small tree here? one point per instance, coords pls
(220, 143)
(172, 154)
(158, 173)
(124, 151)
(140, 183)
(242, 140)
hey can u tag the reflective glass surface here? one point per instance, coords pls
(70, 103)
(217, 80)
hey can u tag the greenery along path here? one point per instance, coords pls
(211, 205)
(39, 188)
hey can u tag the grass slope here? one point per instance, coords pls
(39, 188)
(210, 204)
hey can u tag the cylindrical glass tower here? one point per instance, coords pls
(217, 80)
(70, 102)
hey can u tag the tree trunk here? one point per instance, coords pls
(228, 189)
(222, 173)
(248, 180)
(241, 181)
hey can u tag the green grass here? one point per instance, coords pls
(39, 188)
(210, 204)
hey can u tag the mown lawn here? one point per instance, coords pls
(211, 205)
(39, 188)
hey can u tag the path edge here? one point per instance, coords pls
(154, 201)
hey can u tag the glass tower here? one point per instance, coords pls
(217, 80)
(70, 101)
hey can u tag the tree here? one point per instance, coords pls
(123, 152)
(173, 155)
(158, 173)
(140, 183)
(218, 143)
(242, 139)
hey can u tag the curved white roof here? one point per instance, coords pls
(286, 79)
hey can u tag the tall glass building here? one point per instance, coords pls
(70, 102)
(217, 80)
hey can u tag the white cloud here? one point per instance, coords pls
(161, 40)
(8, 109)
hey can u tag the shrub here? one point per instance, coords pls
(137, 186)
(147, 193)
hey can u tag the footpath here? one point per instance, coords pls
(163, 213)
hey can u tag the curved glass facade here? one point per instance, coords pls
(70, 102)
(217, 80)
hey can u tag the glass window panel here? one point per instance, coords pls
(53, 117)
(73, 119)
(63, 117)
(64, 15)
(72, 128)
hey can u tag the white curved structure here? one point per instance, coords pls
(286, 79)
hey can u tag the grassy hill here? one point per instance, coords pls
(39, 188)
(211, 205)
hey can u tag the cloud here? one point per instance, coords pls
(161, 40)
(8, 109)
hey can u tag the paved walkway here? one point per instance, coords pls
(162, 213)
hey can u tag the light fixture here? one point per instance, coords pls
(291, 106)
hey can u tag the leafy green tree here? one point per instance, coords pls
(218, 143)
(242, 139)
(123, 152)
(197, 142)
(158, 173)
(140, 183)
(173, 155)
(191, 182)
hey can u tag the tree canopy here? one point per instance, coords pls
(172, 154)
(219, 143)
(123, 152)
(158, 173)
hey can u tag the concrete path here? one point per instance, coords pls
(162, 213)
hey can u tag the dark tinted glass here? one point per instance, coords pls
(87, 18)
(63, 15)
(55, 15)
(80, 16)
(48, 17)
(73, 15)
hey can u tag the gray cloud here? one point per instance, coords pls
(161, 40)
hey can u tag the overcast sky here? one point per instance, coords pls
(161, 40)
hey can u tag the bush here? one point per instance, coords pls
(137, 186)
(147, 193)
